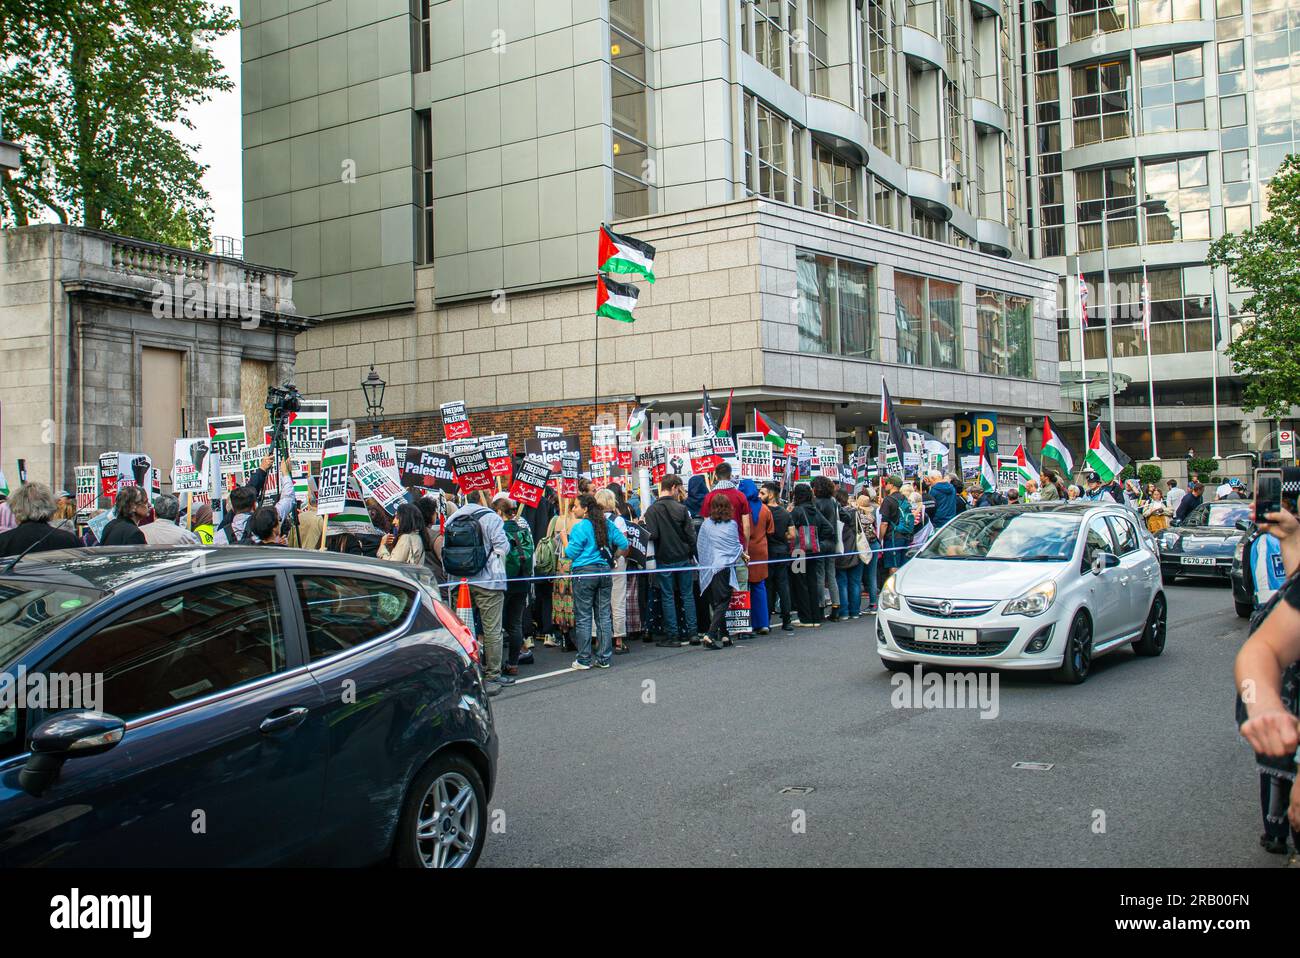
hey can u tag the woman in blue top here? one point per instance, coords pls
(594, 545)
(718, 546)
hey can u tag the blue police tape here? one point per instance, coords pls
(452, 583)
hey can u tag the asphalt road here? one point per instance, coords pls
(1148, 769)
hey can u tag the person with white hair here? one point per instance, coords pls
(164, 531)
(33, 505)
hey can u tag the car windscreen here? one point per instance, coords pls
(1221, 514)
(31, 610)
(1007, 536)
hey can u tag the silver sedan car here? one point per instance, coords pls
(1035, 586)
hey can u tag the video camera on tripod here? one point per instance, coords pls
(280, 401)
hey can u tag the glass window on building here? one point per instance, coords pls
(884, 203)
(1173, 91)
(927, 226)
(773, 162)
(878, 84)
(924, 15)
(928, 321)
(835, 183)
(837, 306)
(1180, 312)
(422, 47)
(1065, 286)
(956, 171)
(1184, 187)
(819, 48)
(628, 16)
(629, 111)
(1101, 102)
(424, 187)
(768, 35)
(1167, 11)
(1237, 219)
(1006, 334)
(1089, 17)
(1113, 189)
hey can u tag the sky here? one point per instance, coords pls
(218, 135)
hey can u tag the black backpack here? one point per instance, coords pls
(464, 553)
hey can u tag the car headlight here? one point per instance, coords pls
(1034, 602)
(889, 599)
(1168, 540)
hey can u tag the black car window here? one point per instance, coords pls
(210, 637)
(340, 612)
(1097, 542)
(1126, 539)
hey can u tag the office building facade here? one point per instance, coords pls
(1171, 116)
(835, 189)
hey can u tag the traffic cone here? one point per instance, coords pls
(465, 606)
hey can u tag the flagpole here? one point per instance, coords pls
(1083, 354)
(595, 362)
(1214, 364)
(1110, 361)
(1151, 380)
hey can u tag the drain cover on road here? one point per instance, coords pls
(1035, 766)
(796, 790)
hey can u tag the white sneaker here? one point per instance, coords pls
(579, 666)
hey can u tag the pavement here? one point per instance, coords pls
(679, 757)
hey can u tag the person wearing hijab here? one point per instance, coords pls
(696, 491)
(761, 526)
(718, 548)
(202, 523)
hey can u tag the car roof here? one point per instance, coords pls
(113, 568)
(1067, 507)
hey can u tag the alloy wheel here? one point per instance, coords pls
(447, 826)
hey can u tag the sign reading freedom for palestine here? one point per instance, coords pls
(531, 481)
(455, 424)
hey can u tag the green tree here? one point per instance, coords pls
(96, 92)
(1266, 259)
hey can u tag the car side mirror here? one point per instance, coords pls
(63, 736)
(1104, 561)
(1245, 525)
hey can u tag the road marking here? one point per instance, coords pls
(547, 675)
(1035, 766)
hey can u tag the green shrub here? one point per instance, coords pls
(1202, 468)
(1150, 473)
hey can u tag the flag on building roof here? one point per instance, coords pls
(772, 430)
(988, 475)
(1055, 449)
(1104, 457)
(625, 254)
(615, 300)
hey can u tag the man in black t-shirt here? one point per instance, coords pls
(778, 551)
(890, 512)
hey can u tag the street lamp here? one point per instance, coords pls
(1150, 206)
(373, 387)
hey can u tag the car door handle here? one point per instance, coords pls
(283, 719)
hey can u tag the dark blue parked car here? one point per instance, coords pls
(258, 706)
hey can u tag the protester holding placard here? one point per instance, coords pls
(594, 546)
(779, 540)
(519, 568)
(761, 526)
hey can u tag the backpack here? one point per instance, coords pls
(545, 554)
(906, 518)
(464, 552)
(519, 560)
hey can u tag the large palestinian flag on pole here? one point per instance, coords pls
(1024, 469)
(724, 424)
(615, 300)
(1055, 449)
(772, 430)
(1104, 457)
(623, 254)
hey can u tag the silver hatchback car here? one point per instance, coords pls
(1034, 586)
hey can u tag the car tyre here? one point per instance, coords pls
(444, 818)
(1167, 577)
(896, 666)
(1153, 637)
(1244, 609)
(1078, 651)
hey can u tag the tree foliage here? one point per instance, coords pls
(96, 92)
(1266, 259)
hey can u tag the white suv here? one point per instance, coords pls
(1035, 586)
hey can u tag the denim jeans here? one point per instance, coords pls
(672, 586)
(850, 588)
(591, 600)
(871, 574)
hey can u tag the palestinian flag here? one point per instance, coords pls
(1104, 457)
(988, 475)
(706, 410)
(893, 429)
(724, 424)
(1083, 301)
(1024, 468)
(615, 300)
(637, 421)
(772, 430)
(1055, 449)
(623, 254)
